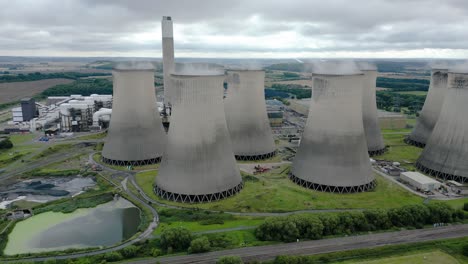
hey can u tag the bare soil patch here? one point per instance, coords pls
(14, 91)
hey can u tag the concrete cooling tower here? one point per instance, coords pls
(446, 153)
(375, 143)
(332, 155)
(135, 135)
(246, 115)
(198, 163)
(168, 55)
(431, 109)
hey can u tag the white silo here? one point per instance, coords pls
(431, 109)
(246, 115)
(135, 135)
(446, 152)
(375, 143)
(168, 55)
(332, 155)
(198, 163)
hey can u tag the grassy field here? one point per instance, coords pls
(400, 151)
(274, 192)
(100, 135)
(18, 151)
(420, 93)
(197, 227)
(428, 257)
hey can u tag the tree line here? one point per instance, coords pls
(36, 76)
(308, 226)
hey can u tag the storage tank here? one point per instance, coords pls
(332, 155)
(431, 109)
(246, 115)
(135, 135)
(446, 152)
(168, 55)
(375, 143)
(198, 163)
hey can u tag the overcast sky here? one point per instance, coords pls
(237, 28)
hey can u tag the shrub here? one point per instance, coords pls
(229, 260)
(113, 256)
(199, 245)
(218, 240)
(6, 143)
(277, 229)
(377, 219)
(176, 239)
(308, 226)
(130, 251)
(465, 250)
(156, 252)
(465, 206)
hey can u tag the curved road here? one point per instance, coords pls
(264, 253)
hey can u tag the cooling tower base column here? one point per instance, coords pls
(131, 162)
(255, 157)
(189, 198)
(442, 175)
(335, 189)
(377, 152)
(415, 143)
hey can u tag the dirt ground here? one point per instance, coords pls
(10, 92)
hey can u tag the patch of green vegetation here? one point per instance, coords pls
(52, 150)
(21, 138)
(42, 76)
(420, 93)
(70, 205)
(49, 173)
(399, 151)
(274, 192)
(437, 256)
(100, 135)
(84, 87)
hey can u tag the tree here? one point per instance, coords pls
(199, 245)
(465, 250)
(377, 219)
(330, 223)
(5, 143)
(177, 239)
(113, 256)
(130, 251)
(277, 229)
(229, 260)
(465, 206)
(309, 226)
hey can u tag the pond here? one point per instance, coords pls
(104, 225)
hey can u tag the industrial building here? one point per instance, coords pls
(332, 155)
(168, 56)
(135, 135)
(275, 112)
(198, 163)
(419, 181)
(246, 115)
(445, 154)
(375, 143)
(431, 109)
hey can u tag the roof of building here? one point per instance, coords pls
(418, 177)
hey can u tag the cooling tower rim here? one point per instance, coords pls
(133, 70)
(439, 69)
(462, 72)
(369, 70)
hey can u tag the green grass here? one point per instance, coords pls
(437, 256)
(100, 135)
(52, 150)
(420, 93)
(274, 192)
(400, 151)
(197, 227)
(21, 138)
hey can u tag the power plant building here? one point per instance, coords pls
(168, 55)
(246, 115)
(332, 155)
(375, 143)
(198, 163)
(135, 135)
(445, 154)
(431, 109)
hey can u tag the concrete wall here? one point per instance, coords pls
(375, 144)
(431, 109)
(246, 114)
(333, 149)
(446, 151)
(198, 159)
(135, 130)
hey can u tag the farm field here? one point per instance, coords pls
(15, 91)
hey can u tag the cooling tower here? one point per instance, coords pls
(332, 155)
(168, 55)
(198, 163)
(246, 115)
(431, 109)
(446, 152)
(135, 135)
(375, 143)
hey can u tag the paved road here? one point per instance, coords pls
(264, 253)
